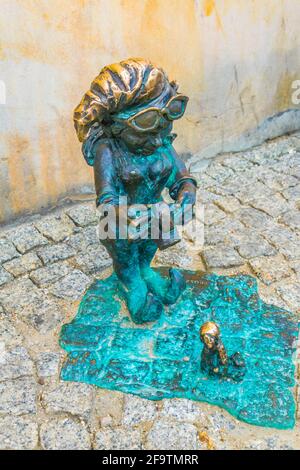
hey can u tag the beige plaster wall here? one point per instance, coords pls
(236, 59)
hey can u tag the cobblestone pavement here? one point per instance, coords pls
(252, 218)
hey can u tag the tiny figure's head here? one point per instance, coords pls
(210, 334)
(133, 101)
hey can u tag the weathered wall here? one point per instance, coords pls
(236, 59)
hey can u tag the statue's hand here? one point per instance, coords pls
(187, 194)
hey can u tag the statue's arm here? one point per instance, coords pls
(106, 183)
(222, 353)
(182, 186)
(104, 175)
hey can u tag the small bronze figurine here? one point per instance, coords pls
(125, 123)
(214, 358)
(214, 354)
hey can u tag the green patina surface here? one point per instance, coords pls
(162, 359)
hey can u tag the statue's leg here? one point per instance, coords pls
(142, 305)
(168, 290)
(155, 282)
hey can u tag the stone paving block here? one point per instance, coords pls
(53, 253)
(222, 256)
(276, 149)
(8, 333)
(226, 231)
(223, 190)
(237, 162)
(109, 404)
(221, 421)
(276, 181)
(273, 206)
(69, 397)
(256, 190)
(219, 172)
(22, 265)
(55, 227)
(119, 438)
(18, 396)
(293, 193)
(279, 235)
(245, 236)
(292, 219)
(203, 196)
(223, 430)
(5, 276)
(82, 240)
(83, 214)
(283, 146)
(50, 274)
(64, 434)
(72, 286)
(238, 186)
(47, 364)
(18, 294)
(7, 250)
(228, 204)
(292, 157)
(291, 250)
(270, 269)
(252, 249)
(212, 214)
(26, 237)
(205, 181)
(282, 166)
(268, 295)
(15, 363)
(295, 169)
(194, 231)
(178, 255)
(291, 294)
(94, 260)
(172, 435)
(18, 433)
(137, 410)
(270, 443)
(44, 315)
(253, 218)
(295, 265)
(256, 157)
(183, 410)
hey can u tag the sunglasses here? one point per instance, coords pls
(150, 118)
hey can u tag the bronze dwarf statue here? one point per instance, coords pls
(125, 123)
